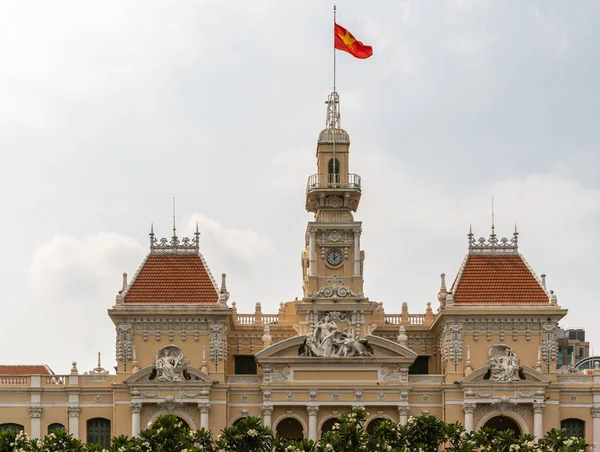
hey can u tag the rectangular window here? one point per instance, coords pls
(560, 357)
(420, 366)
(245, 365)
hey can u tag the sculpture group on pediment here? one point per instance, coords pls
(504, 364)
(327, 340)
(169, 364)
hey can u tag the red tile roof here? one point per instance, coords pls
(25, 370)
(172, 279)
(497, 279)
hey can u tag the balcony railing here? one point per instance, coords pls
(344, 181)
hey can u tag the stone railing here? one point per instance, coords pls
(55, 380)
(14, 380)
(270, 319)
(416, 319)
(410, 319)
(258, 318)
(244, 319)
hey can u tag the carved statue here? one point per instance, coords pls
(169, 364)
(326, 340)
(504, 364)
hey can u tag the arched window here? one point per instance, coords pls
(98, 431)
(290, 428)
(374, 423)
(328, 425)
(11, 428)
(333, 169)
(574, 427)
(54, 427)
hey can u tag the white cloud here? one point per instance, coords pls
(237, 244)
(72, 281)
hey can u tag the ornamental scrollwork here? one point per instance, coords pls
(35, 411)
(124, 342)
(217, 341)
(335, 289)
(549, 342)
(453, 342)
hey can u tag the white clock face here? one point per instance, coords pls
(334, 258)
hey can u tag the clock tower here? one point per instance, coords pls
(332, 263)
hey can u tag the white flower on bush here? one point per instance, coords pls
(252, 433)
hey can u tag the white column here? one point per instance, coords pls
(403, 412)
(136, 409)
(357, 252)
(538, 419)
(267, 411)
(35, 413)
(469, 409)
(204, 408)
(312, 245)
(312, 421)
(596, 419)
(74, 421)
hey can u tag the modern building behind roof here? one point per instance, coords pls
(572, 347)
(485, 353)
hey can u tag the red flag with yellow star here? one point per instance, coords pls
(345, 41)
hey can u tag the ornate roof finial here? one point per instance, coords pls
(174, 227)
(223, 294)
(443, 293)
(152, 239)
(493, 234)
(470, 235)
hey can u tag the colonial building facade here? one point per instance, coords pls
(484, 353)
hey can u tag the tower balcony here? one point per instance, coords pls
(342, 182)
(333, 190)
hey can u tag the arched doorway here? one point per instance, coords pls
(238, 420)
(328, 425)
(184, 422)
(374, 423)
(290, 428)
(502, 423)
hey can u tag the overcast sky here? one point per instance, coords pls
(109, 109)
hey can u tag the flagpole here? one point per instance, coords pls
(334, 94)
(334, 68)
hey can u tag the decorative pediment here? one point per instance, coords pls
(379, 349)
(483, 375)
(149, 375)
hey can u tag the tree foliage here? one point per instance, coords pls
(422, 434)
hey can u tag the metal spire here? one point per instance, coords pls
(493, 220)
(174, 227)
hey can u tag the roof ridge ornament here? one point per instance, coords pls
(493, 245)
(175, 245)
